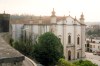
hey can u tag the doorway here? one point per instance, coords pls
(69, 55)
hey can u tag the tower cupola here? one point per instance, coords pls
(82, 18)
(53, 12)
(53, 17)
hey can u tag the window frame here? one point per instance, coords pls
(69, 39)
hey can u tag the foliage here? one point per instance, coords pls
(63, 62)
(11, 41)
(84, 63)
(24, 45)
(89, 32)
(48, 49)
(94, 33)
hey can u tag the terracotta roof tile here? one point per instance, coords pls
(45, 20)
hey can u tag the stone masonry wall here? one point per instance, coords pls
(8, 55)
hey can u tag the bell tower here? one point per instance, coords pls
(82, 18)
(53, 17)
(83, 26)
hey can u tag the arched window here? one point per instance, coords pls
(78, 40)
(69, 39)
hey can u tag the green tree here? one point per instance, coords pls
(95, 32)
(84, 63)
(63, 62)
(24, 45)
(89, 32)
(48, 49)
(11, 41)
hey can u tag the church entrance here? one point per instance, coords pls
(77, 54)
(69, 55)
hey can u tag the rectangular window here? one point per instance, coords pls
(94, 46)
(78, 40)
(69, 39)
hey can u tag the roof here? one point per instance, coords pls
(45, 20)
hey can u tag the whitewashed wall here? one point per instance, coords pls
(96, 48)
(16, 30)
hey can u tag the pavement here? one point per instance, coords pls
(28, 62)
(93, 58)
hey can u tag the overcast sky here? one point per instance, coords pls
(90, 8)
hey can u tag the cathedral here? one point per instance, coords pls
(70, 30)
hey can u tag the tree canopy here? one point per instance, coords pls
(84, 63)
(93, 32)
(63, 62)
(24, 45)
(48, 49)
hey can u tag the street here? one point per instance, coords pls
(28, 62)
(93, 58)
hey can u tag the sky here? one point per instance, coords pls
(90, 8)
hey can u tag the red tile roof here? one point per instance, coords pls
(45, 20)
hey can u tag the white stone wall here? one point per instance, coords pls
(95, 46)
(53, 19)
(69, 20)
(96, 40)
(70, 31)
(60, 32)
(78, 46)
(83, 40)
(74, 31)
(16, 30)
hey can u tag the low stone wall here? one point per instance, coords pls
(5, 36)
(8, 55)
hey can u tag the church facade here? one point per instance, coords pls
(70, 30)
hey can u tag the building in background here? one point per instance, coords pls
(4, 25)
(70, 30)
(8, 55)
(4, 22)
(92, 45)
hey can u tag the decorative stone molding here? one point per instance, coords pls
(68, 46)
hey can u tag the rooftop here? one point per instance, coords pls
(8, 54)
